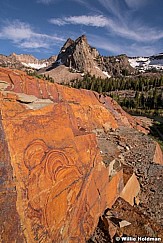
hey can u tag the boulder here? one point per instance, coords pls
(55, 183)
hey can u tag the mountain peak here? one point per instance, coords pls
(68, 43)
(80, 57)
(77, 54)
(81, 38)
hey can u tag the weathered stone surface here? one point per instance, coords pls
(131, 190)
(141, 225)
(136, 155)
(11, 229)
(158, 156)
(56, 170)
(62, 178)
(59, 193)
(125, 221)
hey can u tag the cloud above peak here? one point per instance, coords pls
(121, 27)
(95, 20)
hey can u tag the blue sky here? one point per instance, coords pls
(40, 27)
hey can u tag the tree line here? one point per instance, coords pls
(147, 91)
(138, 83)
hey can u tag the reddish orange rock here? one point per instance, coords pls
(158, 156)
(51, 160)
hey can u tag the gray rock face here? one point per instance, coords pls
(116, 65)
(78, 55)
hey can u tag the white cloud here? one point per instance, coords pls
(124, 25)
(16, 30)
(117, 23)
(120, 27)
(23, 35)
(57, 21)
(88, 5)
(134, 31)
(95, 20)
(32, 44)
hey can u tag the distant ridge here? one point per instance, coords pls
(77, 57)
(23, 61)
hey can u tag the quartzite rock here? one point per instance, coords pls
(55, 159)
(51, 159)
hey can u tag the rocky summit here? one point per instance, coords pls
(74, 166)
(74, 59)
(78, 57)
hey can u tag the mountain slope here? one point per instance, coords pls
(24, 61)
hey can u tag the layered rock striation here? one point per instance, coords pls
(63, 160)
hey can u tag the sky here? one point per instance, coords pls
(40, 27)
